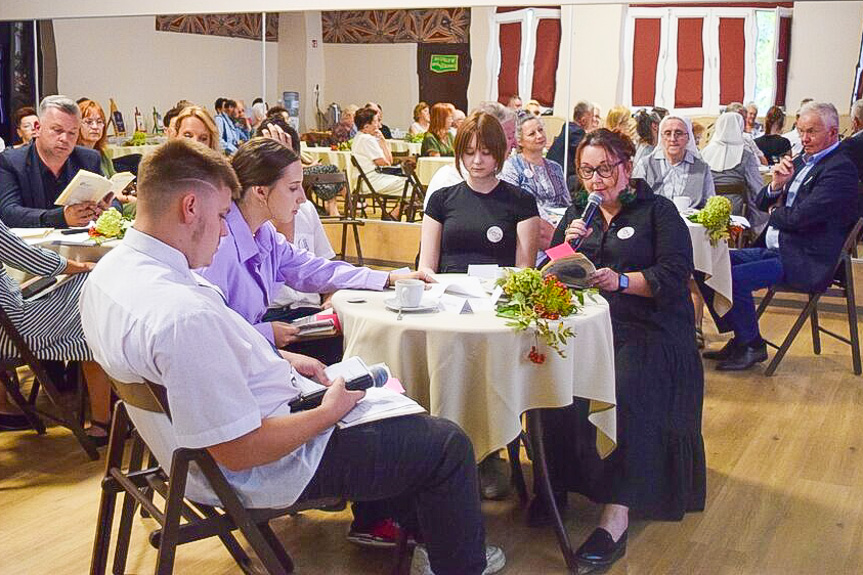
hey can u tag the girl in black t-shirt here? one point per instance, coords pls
(772, 144)
(481, 220)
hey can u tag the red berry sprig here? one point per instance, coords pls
(535, 356)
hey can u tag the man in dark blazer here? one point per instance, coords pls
(808, 202)
(853, 146)
(33, 176)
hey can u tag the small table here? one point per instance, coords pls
(427, 166)
(412, 148)
(338, 158)
(473, 370)
(113, 151)
(715, 263)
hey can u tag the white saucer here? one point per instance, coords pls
(424, 306)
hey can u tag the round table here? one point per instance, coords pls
(715, 263)
(412, 148)
(113, 151)
(427, 166)
(338, 158)
(474, 370)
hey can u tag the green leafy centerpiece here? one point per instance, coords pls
(137, 139)
(111, 225)
(415, 138)
(531, 300)
(715, 216)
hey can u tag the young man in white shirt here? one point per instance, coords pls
(148, 317)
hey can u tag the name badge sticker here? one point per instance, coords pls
(626, 233)
(494, 234)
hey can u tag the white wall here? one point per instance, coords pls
(383, 73)
(128, 60)
(825, 44)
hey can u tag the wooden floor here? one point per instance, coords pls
(785, 492)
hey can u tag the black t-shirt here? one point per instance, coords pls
(773, 147)
(479, 228)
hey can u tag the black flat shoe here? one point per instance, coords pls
(13, 422)
(600, 551)
(745, 358)
(724, 352)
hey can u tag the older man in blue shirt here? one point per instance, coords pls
(812, 205)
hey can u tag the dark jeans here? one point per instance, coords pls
(751, 269)
(327, 349)
(425, 466)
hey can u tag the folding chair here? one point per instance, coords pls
(842, 286)
(9, 375)
(201, 520)
(412, 205)
(346, 221)
(378, 200)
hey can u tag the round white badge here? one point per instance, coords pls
(626, 233)
(494, 234)
(528, 173)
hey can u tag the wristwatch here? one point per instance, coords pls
(622, 282)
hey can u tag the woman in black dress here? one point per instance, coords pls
(643, 255)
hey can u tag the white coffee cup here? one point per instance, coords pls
(409, 293)
(682, 203)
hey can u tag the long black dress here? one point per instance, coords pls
(658, 468)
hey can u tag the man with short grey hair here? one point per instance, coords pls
(808, 201)
(33, 176)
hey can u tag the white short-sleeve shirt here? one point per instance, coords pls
(366, 149)
(146, 316)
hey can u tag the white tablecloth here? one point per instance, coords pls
(474, 370)
(401, 146)
(427, 166)
(338, 158)
(113, 151)
(715, 262)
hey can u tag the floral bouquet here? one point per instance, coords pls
(529, 299)
(715, 216)
(415, 138)
(110, 225)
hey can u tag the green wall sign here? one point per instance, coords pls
(442, 63)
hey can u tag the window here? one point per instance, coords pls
(699, 59)
(524, 44)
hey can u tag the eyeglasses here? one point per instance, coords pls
(604, 170)
(673, 135)
(93, 123)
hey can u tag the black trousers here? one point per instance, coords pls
(424, 467)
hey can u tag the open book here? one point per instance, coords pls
(378, 403)
(89, 187)
(573, 270)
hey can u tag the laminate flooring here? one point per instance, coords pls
(785, 491)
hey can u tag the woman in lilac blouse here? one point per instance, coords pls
(254, 260)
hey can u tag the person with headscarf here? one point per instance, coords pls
(733, 167)
(675, 168)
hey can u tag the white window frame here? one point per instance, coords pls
(857, 74)
(666, 69)
(529, 19)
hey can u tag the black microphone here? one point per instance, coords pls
(376, 377)
(593, 202)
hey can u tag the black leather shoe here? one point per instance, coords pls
(723, 353)
(599, 551)
(745, 358)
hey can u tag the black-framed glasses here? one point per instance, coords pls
(604, 170)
